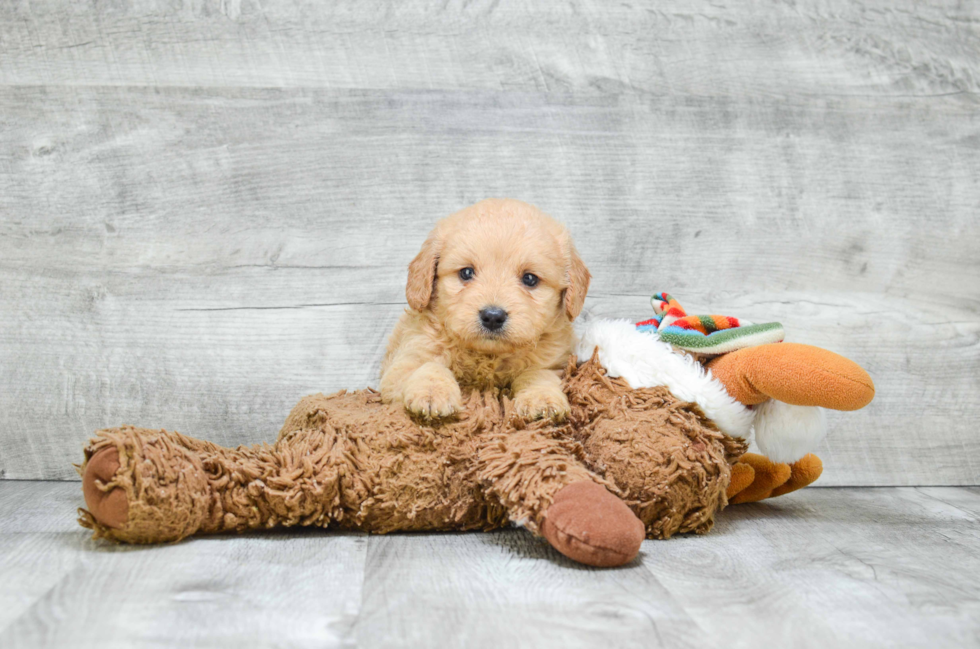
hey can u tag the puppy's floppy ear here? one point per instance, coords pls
(577, 276)
(422, 273)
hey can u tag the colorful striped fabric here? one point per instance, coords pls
(705, 334)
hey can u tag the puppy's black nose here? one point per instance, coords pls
(493, 317)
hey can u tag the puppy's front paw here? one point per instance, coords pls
(541, 403)
(433, 394)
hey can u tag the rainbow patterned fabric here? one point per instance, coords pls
(706, 334)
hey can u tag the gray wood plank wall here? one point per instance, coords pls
(207, 208)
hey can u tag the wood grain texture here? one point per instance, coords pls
(61, 589)
(512, 590)
(854, 567)
(699, 47)
(818, 568)
(207, 212)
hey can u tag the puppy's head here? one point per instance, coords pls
(498, 275)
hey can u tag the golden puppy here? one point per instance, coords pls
(493, 293)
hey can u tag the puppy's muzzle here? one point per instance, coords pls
(493, 318)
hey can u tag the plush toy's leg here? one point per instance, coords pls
(143, 486)
(797, 374)
(770, 479)
(671, 470)
(152, 486)
(542, 482)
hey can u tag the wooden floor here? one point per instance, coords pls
(821, 568)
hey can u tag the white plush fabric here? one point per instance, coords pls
(645, 361)
(785, 433)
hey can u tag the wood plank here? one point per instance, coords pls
(964, 499)
(199, 259)
(39, 542)
(58, 588)
(509, 589)
(834, 567)
(821, 567)
(696, 47)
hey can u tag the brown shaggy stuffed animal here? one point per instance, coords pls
(644, 464)
(348, 461)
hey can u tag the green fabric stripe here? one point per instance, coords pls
(697, 340)
(708, 323)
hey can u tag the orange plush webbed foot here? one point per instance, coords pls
(743, 475)
(803, 472)
(756, 477)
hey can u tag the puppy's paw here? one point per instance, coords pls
(434, 399)
(433, 393)
(542, 403)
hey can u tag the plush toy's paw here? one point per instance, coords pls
(801, 375)
(755, 477)
(542, 403)
(433, 393)
(588, 524)
(145, 486)
(107, 504)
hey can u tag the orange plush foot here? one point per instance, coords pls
(768, 476)
(797, 374)
(804, 471)
(770, 479)
(587, 523)
(743, 475)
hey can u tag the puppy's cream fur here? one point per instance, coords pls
(439, 344)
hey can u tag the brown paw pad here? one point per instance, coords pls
(111, 507)
(587, 523)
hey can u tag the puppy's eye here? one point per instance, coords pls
(530, 280)
(466, 274)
